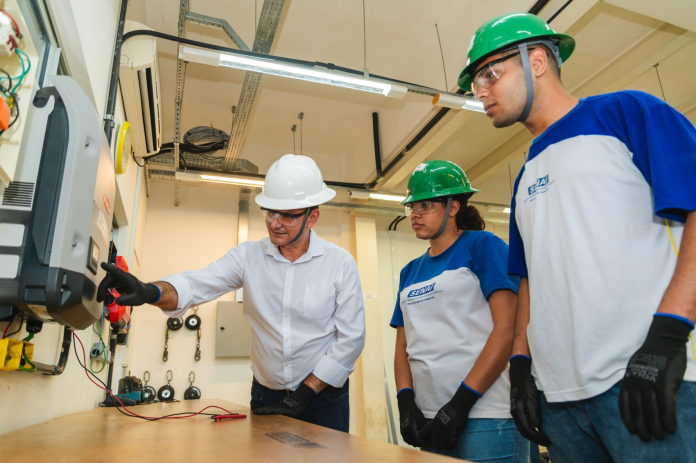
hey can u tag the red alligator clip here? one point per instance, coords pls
(233, 416)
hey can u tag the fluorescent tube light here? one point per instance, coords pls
(275, 67)
(386, 197)
(506, 210)
(232, 180)
(357, 194)
(457, 102)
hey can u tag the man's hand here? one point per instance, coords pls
(648, 397)
(293, 405)
(411, 419)
(451, 419)
(524, 401)
(133, 292)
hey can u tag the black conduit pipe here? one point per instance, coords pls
(115, 67)
(55, 370)
(378, 149)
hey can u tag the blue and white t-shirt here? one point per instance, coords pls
(443, 306)
(588, 230)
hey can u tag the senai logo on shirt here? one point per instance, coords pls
(541, 186)
(421, 291)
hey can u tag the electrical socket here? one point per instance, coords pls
(97, 350)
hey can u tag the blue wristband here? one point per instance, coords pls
(405, 389)
(159, 291)
(676, 317)
(520, 355)
(475, 392)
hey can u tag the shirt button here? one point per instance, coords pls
(286, 363)
(286, 315)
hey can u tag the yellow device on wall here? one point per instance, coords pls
(124, 148)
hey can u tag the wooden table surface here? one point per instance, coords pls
(104, 435)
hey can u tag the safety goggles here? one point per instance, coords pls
(286, 219)
(490, 73)
(423, 207)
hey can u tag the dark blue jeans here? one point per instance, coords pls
(330, 408)
(591, 430)
(489, 440)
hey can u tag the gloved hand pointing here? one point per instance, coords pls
(648, 397)
(133, 291)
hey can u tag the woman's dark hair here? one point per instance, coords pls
(468, 217)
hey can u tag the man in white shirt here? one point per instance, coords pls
(302, 298)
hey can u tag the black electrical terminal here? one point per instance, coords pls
(34, 326)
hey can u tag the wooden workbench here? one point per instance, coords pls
(104, 435)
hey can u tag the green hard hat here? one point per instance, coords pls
(505, 31)
(434, 179)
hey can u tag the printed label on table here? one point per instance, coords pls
(292, 439)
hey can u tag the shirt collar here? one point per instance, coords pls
(316, 248)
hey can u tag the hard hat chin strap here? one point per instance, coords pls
(528, 79)
(444, 220)
(524, 54)
(304, 222)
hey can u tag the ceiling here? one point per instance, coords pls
(619, 41)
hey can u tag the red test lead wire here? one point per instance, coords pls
(84, 359)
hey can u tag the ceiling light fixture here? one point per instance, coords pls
(276, 67)
(387, 197)
(232, 180)
(447, 100)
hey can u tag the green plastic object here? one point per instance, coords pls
(435, 179)
(505, 31)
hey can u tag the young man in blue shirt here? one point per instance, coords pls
(603, 234)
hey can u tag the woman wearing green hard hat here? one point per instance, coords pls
(454, 316)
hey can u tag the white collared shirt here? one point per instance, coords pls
(306, 316)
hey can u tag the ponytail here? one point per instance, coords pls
(468, 217)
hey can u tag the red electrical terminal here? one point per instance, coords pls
(117, 312)
(4, 114)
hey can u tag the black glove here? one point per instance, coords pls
(132, 291)
(524, 401)
(293, 405)
(648, 397)
(450, 420)
(411, 419)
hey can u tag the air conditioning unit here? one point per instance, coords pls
(140, 87)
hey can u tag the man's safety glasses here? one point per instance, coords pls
(286, 219)
(490, 73)
(423, 207)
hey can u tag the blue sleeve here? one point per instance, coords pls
(398, 317)
(517, 264)
(490, 255)
(663, 143)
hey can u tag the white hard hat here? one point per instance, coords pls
(294, 182)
